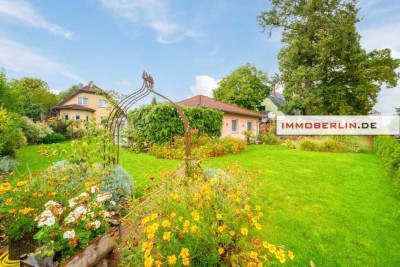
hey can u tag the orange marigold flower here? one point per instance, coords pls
(185, 261)
(167, 236)
(232, 233)
(184, 253)
(221, 250)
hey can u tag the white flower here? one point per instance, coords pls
(70, 219)
(104, 197)
(79, 211)
(51, 203)
(84, 194)
(71, 202)
(113, 203)
(46, 218)
(69, 234)
(94, 189)
(95, 225)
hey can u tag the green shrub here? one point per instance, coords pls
(35, 132)
(269, 139)
(10, 134)
(158, 124)
(354, 143)
(120, 184)
(53, 138)
(388, 149)
(7, 165)
(309, 145)
(331, 145)
(289, 144)
(207, 148)
(60, 126)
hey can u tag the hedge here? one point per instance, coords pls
(158, 124)
(388, 149)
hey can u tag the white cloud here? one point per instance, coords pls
(204, 85)
(385, 36)
(153, 14)
(23, 11)
(20, 58)
(388, 100)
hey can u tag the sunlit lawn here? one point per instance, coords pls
(336, 209)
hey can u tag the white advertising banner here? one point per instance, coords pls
(338, 125)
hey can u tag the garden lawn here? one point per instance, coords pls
(336, 209)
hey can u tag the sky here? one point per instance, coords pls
(187, 46)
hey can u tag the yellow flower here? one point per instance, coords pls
(180, 218)
(158, 263)
(219, 216)
(213, 181)
(244, 231)
(185, 261)
(149, 262)
(166, 223)
(85, 144)
(253, 255)
(221, 250)
(220, 228)
(145, 220)
(247, 207)
(186, 224)
(173, 215)
(194, 229)
(22, 183)
(171, 259)
(290, 255)
(232, 233)
(8, 201)
(25, 210)
(154, 216)
(258, 207)
(11, 211)
(257, 226)
(184, 253)
(260, 214)
(53, 193)
(167, 236)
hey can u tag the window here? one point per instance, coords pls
(102, 103)
(82, 101)
(77, 117)
(65, 116)
(234, 125)
(87, 117)
(249, 126)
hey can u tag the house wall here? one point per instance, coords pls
(72, 114)
(241, 125)
(93, 102)
(269, 105)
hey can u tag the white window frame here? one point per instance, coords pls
(102, 103)
(237, 125)
(251, 124)
(82, 100)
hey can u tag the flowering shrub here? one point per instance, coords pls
(35, 131)
(201, 148)
(73, 227)
(199, 222)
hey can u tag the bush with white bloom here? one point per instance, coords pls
(73, 227)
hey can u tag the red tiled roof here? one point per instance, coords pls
(207, 102)
(74, 107)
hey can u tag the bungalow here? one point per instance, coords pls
(88, 102)
(236, 120)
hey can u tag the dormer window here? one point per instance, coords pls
(82, 101)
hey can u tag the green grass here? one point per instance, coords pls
(336, 209)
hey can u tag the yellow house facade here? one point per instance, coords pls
(89, 102)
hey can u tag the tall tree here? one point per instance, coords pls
(323, 66)
(35, 94)
(64, 94)
(245, 87)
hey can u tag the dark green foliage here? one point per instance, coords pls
(64, 94)
(388, 149)
(324, 68)
(160, 123)
(60, 126)
(245, 87)
(120, 184)
(53, 138)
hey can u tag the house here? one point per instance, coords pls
(88, 102)
(236, 120)
(272, 103)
